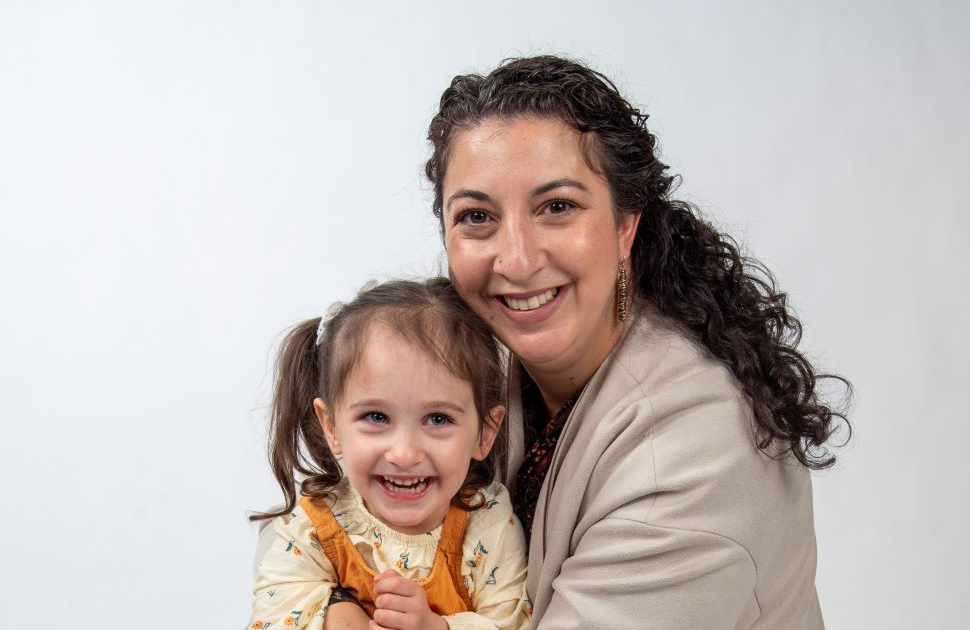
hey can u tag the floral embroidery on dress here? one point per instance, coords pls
(301, 549)
(480, 552)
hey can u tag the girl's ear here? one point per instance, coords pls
(489, 432)
(326, 421)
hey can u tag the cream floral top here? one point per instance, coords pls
(294, 579)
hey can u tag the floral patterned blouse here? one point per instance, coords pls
(295, 578)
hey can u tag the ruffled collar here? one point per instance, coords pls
(354, 517)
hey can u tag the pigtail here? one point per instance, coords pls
(294, 424)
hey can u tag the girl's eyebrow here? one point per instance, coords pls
(367, 403)
(446, 405)
(377, 403)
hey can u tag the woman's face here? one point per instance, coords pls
(534, 242)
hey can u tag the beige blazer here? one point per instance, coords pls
(658, 510)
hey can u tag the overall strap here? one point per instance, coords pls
(352, 573)
(450, 551)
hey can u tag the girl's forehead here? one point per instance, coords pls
(390, 354)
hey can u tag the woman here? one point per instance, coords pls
(654, 374)
(663, 422)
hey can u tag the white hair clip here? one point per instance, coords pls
(367, 286)
(334, 308)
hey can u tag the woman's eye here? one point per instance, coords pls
(376, 417)
(473, 217)
(558, 206)
(438, 420)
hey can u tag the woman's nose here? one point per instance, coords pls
(520, 251)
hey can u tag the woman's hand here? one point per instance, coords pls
(402, 605)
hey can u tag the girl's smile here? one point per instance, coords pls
(406, 429)
(405, 488)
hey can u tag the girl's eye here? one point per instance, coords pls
(438, 420)
(558, 206)
(473, 217)
(376, 417)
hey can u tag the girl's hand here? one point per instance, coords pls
(402, 605)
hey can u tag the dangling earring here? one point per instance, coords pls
(621, 293)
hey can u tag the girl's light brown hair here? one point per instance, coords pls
(428, 315)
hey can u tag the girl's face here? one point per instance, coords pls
(534, 242)
(407, 429)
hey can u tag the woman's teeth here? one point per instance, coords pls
(532, 303)
(406, 486)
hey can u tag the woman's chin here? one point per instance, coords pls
(541, 351)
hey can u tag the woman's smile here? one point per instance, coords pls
(534, 242)
(532, 308)
(530, 302)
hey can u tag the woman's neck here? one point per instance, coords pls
(558, 386)
(556, 389)
(562, 380)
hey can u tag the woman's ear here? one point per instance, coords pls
(493, 422)
(326, 421)
(626, 227)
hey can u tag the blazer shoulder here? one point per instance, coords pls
(682, 427)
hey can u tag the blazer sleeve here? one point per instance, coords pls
(673, 579)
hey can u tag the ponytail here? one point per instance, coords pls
(294, 422)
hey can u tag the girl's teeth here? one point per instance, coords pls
(407, 486)
(531, 303)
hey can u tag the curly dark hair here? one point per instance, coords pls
(428, 315)
(691, 272)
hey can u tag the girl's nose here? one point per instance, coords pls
(406, 451)
(520, 251)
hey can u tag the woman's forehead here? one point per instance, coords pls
(523, 151)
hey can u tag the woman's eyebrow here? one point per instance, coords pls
(477, 195)
(565, 182)
(467, 193)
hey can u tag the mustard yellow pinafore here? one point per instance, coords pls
(445, 585)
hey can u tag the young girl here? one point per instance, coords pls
(391, 413)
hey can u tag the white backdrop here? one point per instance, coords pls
(181, 181)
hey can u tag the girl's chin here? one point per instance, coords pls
(411, 525)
